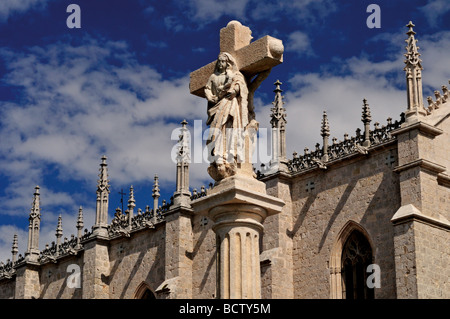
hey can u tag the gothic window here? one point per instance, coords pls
(144, 292)
(147, 295)
(356, 256)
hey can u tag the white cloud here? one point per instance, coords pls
(202, 12)
(299, 43)
(76, 106)
(6, 239)
(434, 11)
(207, 10)
(306, 12)
(80, 106)
(9, 7)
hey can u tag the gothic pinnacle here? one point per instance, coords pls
(131, 201)
(15, 248)
(325, 129)
(59, 230)
(366, 117)
(413, 69)
(325, 133)
(412, 50)
(103, 181)
(155, 192)
(35, 208)
(278, 111)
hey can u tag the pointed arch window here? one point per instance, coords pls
(356, 256)
(144, 292)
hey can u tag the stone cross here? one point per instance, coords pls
(252, 58)
(204, 221)
(390, 159)
(310, 186)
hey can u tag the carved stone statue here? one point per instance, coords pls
(229, 84)
(227, 95)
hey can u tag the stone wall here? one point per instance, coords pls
(432, 252)
(277, 245)
(363, 190)
(53, 279)
(204, 259)
(405, 260)
(7, 287)
(134, 260)
(442, 151)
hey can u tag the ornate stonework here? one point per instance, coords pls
(304, 228)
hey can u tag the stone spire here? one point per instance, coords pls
(131, 206)
(32, 253)
(155, 193)
(278, 121)
(59, 233)
(80, 225)
(325, 133)
(15, 248)
(366, 119)
(101, 215)
(182, 195)
(131, 201)
(413, 71)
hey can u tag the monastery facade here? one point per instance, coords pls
(373, 208)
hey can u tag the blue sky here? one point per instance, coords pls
(119, 86)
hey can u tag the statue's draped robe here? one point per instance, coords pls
(228, 118)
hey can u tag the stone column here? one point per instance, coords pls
(238, 206)
(238, 227)
(178, 250)
(27, 281)
(96, 268)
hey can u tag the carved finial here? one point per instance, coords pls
(278, 116)
(80, 223)
(35, 207)
(101, 213)
(413, 69)
(277, 86)
(325, 129)
(131, 201)
(325, 133)
(59, 229)
(366, 117)
(412, 50)
(15, 248)
(410, 25)
(32, 252)
(155, 192)
(183, 144)
(103, 182)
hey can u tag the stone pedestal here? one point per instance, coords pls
(238, 206)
